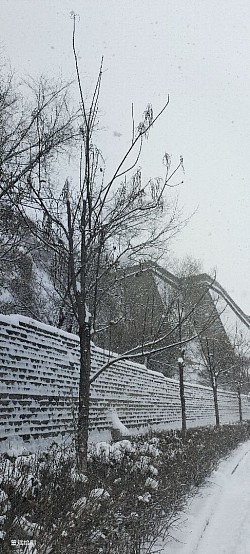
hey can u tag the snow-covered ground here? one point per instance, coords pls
(217, 520)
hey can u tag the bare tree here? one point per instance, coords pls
(184, 322)
(181, 367)
(213, 368)
(186, 267)
(91, 227)
(173, 337)
(35, 125)
(240, 369)
(219, 360)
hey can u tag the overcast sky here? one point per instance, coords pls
(199, 53)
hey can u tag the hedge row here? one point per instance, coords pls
(132, 492)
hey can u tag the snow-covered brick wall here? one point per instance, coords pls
(39, 369)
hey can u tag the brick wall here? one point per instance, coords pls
(39, 380)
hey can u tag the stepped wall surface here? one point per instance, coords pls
(39, 369)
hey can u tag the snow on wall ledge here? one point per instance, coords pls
(39, 381)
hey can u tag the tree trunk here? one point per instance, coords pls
(84, 396)
(240, 404)
(216, 406)
(182, 397)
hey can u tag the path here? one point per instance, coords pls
(217, 520)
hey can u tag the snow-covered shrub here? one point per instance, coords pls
(131, 491)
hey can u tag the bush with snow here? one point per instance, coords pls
(131, 491)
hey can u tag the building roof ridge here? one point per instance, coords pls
(200, 278)
(217, 287)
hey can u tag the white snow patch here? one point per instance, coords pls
(99, 493)
(217, 520)
(145, 497)
(152, 483)
(5, 296)
(114, 420)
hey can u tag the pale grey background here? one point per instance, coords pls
(199, 53)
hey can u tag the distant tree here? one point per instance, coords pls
(181, 367)
(185, 329)
(186, 267)
(196, 299)
(36, 124)
(170, 335)
(219, 360)
(240, 369)
(213, 368)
